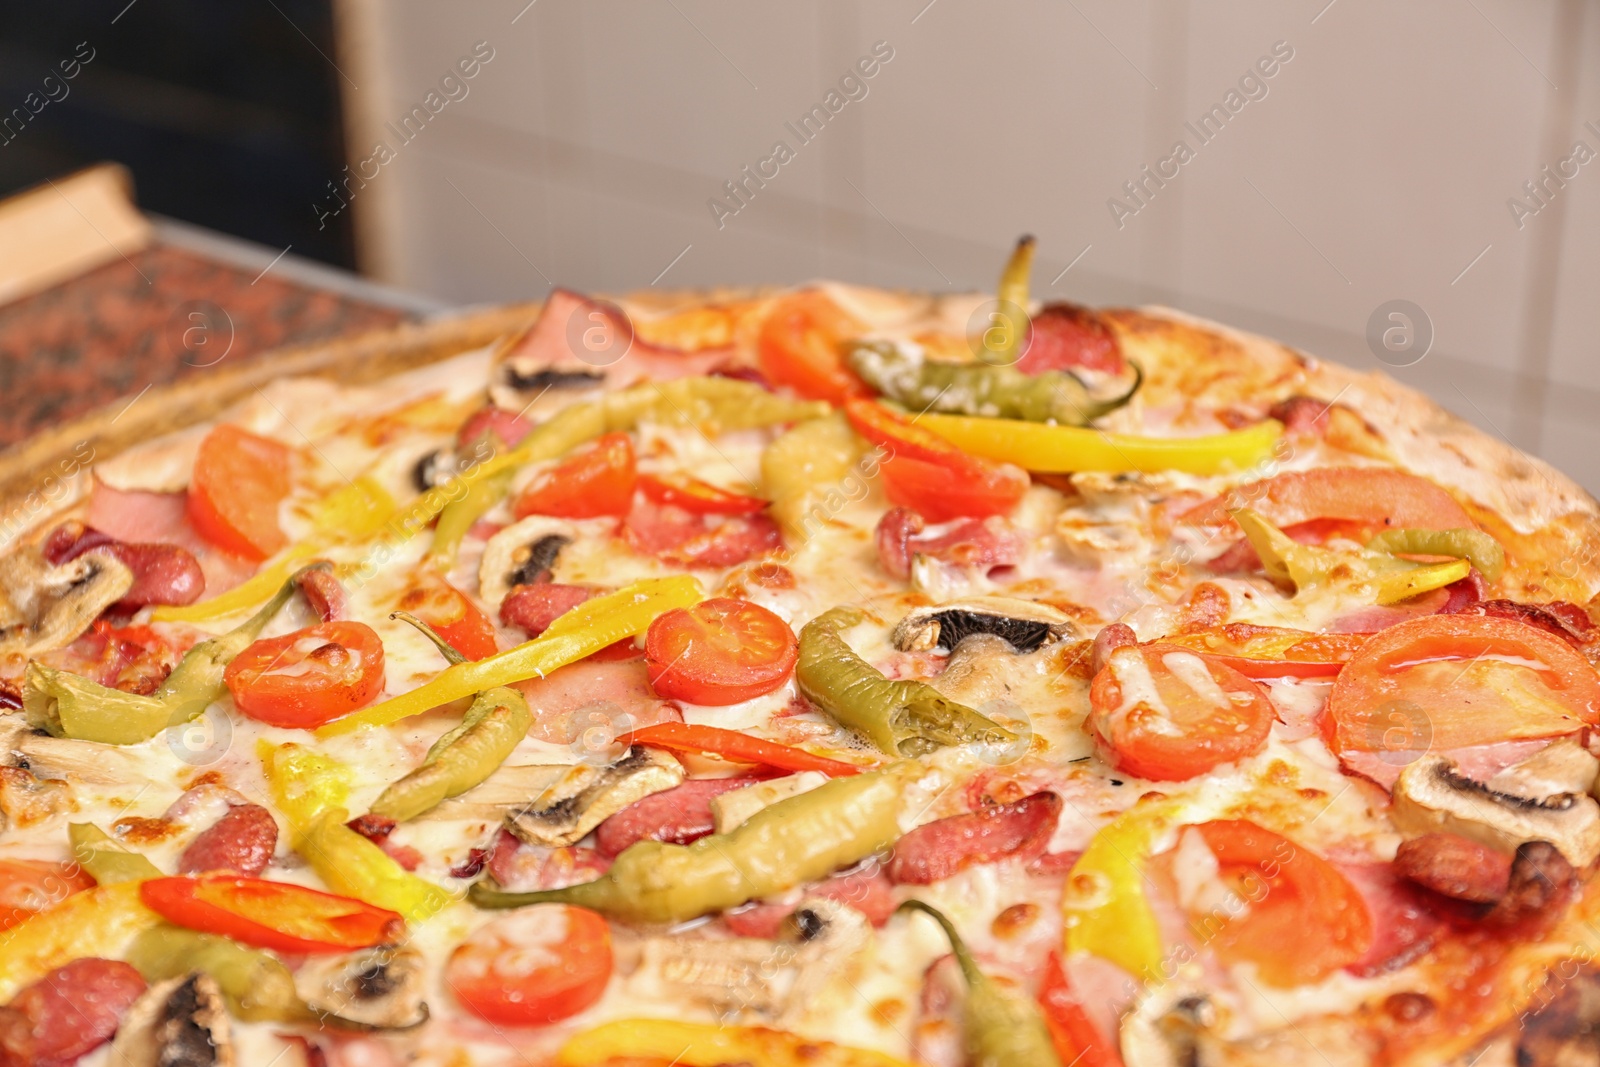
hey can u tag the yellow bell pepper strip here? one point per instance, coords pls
(105, 858)
(95, 922)
(1387, 578)
(355, 512)
(488, 733)
(1479, 548)
(1000, 1027)
(1039, 446)
(903, 717)
(795, 841)
(241, 597)
(708, 1045)
(1104, 907)
(811, 472)
(310, 790)
(67, 705)
(584, 630)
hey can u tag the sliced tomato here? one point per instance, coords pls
(309, 677)
(1445, 682)
(721, 651)
(1272, 651)
(538, 965)
(695, 496)
(1366, 500)
(239, 480)
(798, 346)
(27, 886)
(277, 915)
(1300, 920)
(597, 479)
(736, 746)
(929, 475)
(1166, 713)
(453, 616)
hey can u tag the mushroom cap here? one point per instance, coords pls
(1026, 625)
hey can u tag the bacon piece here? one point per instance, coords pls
(472, 866)
(520, 866)
(1406, 919)
(533, 608)
(324, 594)
(1302, 414)
(556, 342)
(1542, 884)
(508, 426)
(675, 535)
(1108, 640)
(142, 518)
(863, 888)
(68, 1013)
(941, 849)
(243, 840)
(1465, 594)
(678, 815)
(979, 543)
(162, 573)
(1070, 337)
(134, 659)
(1566, 621)
(1455, 866)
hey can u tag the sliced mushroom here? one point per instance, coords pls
(1178, 1025)
(433, 469)
(1562, 766)
(44, 607)
(982, 669)
(1024, 624)
(586, 796)
(776, 980)
(376, 988)
(182, 1022)
(521, 554)
(733, 809)
(1433, 795)
(86, 762)
(505, 790)
(1164, 1028)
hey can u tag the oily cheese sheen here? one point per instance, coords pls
(593, 866)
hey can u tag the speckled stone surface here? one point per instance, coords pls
(161, 314)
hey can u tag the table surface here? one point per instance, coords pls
(192, 300)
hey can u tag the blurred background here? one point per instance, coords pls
(1305, 168)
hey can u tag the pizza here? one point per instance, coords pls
(825, 676)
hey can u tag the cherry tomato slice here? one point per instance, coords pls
(597, 479)
(277, 915)
(1444, 682)
(453, 616)
(27, 886)
(238, 482)
(693, 495)
(1167, 713)
(535, 966)
(938, 495)
(1300, 920)
(798, 346)
(308, 677)
(721, 651)
(1366, 499)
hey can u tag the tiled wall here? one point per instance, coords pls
(1376, 163)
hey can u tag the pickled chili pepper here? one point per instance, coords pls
(584, 630)
(979, 389)
(794, 841)
(1475, 546)
(1002, 1027)
(1388, 579)
(256, 984)
(68, 705)
(467, 754)
(902, 717)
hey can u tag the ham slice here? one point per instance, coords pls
(582, 336)
(143, 517)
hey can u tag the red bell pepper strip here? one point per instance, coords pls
(277, 915)
(1076, 1039)
(882, 426)
(696, 496)
(733, 745)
